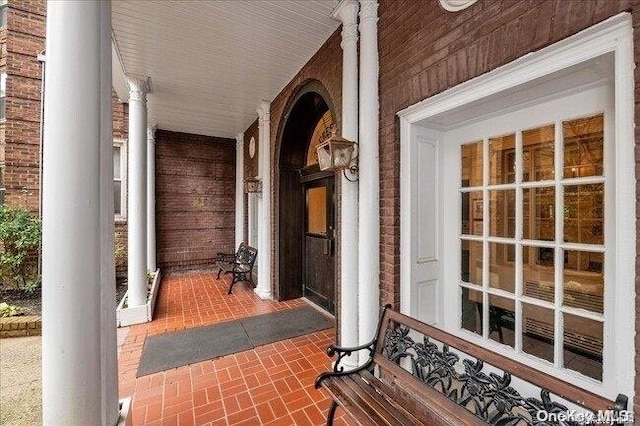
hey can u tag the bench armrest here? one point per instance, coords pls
(342, 352)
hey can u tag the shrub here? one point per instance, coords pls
(7, 310)
(20, 237)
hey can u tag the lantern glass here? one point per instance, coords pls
(335, 154)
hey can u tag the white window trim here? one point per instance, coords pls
(122, 144)
(614, 35)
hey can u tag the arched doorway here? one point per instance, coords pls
(306, 203)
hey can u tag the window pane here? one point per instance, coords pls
(471, 267)
(116, 162)
(117, 197)
(584, 213)
(538, 213)
(583, 280)
(471, 310)
(537, 331)
(502, 213)
(583, 345)
(501, 319)
(583, 146)
(502, 160)
(472, 164)
(537, 153)
(317, 210)
(501, 273)
(471, 213)
(538, 272)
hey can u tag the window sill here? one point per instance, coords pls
(120, 220)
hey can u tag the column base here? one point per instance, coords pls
(262, 294)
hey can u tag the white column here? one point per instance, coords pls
(151, 198)
(239, 188)
(369, 206)
(77, 128)
(137, 203)
(109, 376)
(264, 203)
(347, 13)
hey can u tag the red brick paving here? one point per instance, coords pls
(269, 385)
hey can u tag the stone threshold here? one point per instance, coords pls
(20, 326)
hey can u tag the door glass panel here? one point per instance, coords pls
(583, 280)
(471, 164)
(472, 310)
(583, 345)
(537, 154)
(472, 213)
(538, 213)
(538, 272)
(537, 331)
(317, 210)
(502, 213)
(501, 268)
(502, 160)
(471, 268)
(117, 197)
(583, 147)
(584, 213)
(502, 320)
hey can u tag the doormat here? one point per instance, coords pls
(171, 350)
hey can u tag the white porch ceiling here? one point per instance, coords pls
(212, 62)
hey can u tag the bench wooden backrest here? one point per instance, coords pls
(487, 395)
(246, 255)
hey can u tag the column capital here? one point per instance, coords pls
(139, 87)
(347, 13)
(264, 111)
(456, 5)
(151, 132)
(239, 138)
(368, 11)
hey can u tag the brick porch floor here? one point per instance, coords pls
(272, 384)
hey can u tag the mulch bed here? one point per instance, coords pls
(31, 304)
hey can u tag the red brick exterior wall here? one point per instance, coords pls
(425, 50)
(20, 43)
(195, 196)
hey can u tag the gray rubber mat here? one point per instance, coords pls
(171, 350)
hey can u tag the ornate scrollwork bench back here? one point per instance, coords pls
(466, 381)
(425, 370)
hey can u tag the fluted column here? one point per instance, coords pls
(369, 206)
(137, 205)
(264, 203)
(79, 384)
(151, 198)
(239, 188)
(347, 13)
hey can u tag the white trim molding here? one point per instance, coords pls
(611, 38)
(455, 5)
(264, 288)
(239, 188)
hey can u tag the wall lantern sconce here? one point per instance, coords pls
(337, 154)
(253, 186)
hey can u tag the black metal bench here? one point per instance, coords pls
(239, 264)
(416, 374)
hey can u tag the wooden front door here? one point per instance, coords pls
(319, 245)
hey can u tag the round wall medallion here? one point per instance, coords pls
(252, 147)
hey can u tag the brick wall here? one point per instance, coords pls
(24, 41)
(425, 50)
(195, 196)
(20, 43)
